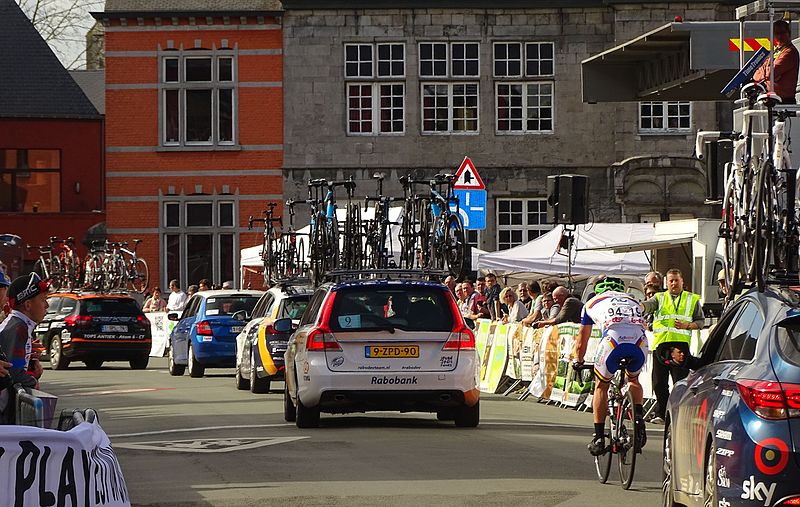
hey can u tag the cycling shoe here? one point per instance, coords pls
(597, 447)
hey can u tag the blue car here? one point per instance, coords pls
(205, 333)
(732, 432)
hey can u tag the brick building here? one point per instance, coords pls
(51, 141)
(415, 88)
(194, 129)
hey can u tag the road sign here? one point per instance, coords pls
(472, 208)
(467, 177)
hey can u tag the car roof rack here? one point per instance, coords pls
(388, 274)
(290, 285)
(86, 292)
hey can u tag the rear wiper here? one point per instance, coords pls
(387, 327)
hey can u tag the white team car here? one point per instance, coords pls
(368, 345)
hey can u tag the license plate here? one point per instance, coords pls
(236, 329)
(383, 351)
(115, 329)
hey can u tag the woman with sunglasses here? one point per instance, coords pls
(516, 309)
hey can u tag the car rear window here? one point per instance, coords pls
(407, 308)
(110, 307)
(228, 305)
(789, 343)
(294, 307)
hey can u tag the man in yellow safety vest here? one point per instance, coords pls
(676, 314)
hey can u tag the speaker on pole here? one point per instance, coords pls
(567, 199)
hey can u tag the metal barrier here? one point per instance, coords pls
(29, 408)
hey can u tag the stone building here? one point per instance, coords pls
(415, 88)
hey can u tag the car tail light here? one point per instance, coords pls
(461, 338)
(78, 320)
(791, 501)
(770, 400)
(204, 328)
(142, 320)
(321, 338)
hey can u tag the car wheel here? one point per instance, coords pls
(242, 383)
(257, 385)
(57, 361)
(468, 417)
(667, 491)
(93, 364)
(196, 370)
(139, 363)
(709, 487)
(176, 370)
(306, 417)
(289, 410)
(446, 414)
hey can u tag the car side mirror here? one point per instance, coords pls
(241, 315)
(173, 316)
(283, 325)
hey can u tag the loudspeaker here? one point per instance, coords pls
(567, 199)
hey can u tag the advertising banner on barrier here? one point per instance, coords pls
(544, 377)
(530, 347)
(160, 329)
(498, 357)
(515, 336)
(50, 467)
(483, 329)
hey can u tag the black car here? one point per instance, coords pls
(94, 328)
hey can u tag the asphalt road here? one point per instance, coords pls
(184, 441)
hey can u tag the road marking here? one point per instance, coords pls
(208, 445)
(650, 428)
(203, 428)
(118, 391)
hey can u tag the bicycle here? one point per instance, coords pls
(49, 265)
(414, 226)
(447, 238)
(293, 250)
(93, 274)
(70, 263)
(136, 272)
(270, 253)
(621, 432)
(377, 230)
(325, 246)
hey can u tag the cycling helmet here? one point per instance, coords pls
(609, 283)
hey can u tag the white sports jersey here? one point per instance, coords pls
(613, 310)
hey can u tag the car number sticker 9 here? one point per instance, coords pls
(349, 321)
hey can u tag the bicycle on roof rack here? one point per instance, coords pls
(447, 242)
(326, 251)
(271, 249)
(377, 254)
(48, 265)
(293, 247)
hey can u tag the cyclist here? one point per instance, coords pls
(620, 317)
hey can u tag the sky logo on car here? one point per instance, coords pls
(394, 380)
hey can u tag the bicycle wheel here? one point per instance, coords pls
(56, 273)
(372, 254)
(318, 248)
(626, 440)
(424, 235)
(764, 221)
(353, 245)
(602, 464)
(139, 276)
(455, 244)
(730, 230)
(333, 246)
(408, 235)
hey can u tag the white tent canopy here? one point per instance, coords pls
(543, 256)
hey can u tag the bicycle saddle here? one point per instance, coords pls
(753, 89)
(770, 99)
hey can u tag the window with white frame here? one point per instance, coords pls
(665, 117)
(524, 86)
(450, 103)
(198, 239)
(449, 108)
(520, 221)
(198, 99)
(473, 237)
(377, 106)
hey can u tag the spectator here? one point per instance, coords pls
(27, 298)
(227, 285)
(192, 290)
(722, 284)
(654, 278)
(549, 308)
(492, 295)
(155, 303)
(470, 310)
(459, 292)
(451, 284)
(787, 63)
(480, 286)
(675, 314)
(4, 283)
(204, 284)
(516, 310)
(570, 308)
(177, 298)
(535, 295)
(522, 294)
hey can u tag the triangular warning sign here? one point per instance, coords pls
(467, 176)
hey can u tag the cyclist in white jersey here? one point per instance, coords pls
(620, 317)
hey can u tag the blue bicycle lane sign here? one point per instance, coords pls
(471, 193)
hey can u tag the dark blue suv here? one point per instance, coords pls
(733, 426)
